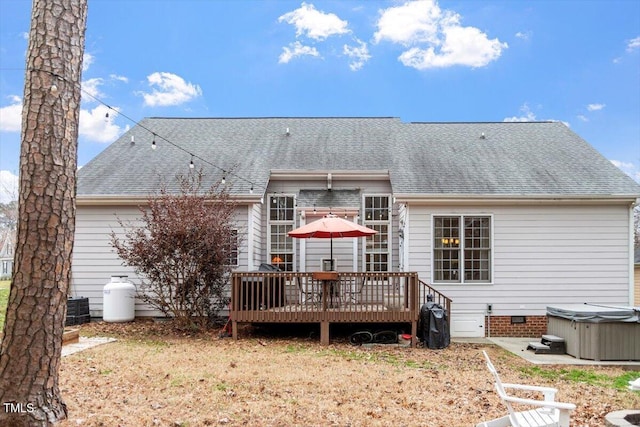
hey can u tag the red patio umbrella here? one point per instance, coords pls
(331, 226)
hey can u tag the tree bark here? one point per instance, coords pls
(32, 342)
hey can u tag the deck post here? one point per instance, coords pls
(414, 334)
(324, 333)
(234, 330)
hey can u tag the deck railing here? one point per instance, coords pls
(337, 297)
(329, 297)
(428, 293)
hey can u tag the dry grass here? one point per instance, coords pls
(154, 376)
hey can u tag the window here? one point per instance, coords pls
(462, 249)
(232, 248)
(377, 216)
(281, 222)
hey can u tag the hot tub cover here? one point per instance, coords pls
(594, 313)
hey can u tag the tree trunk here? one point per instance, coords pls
(31, 348)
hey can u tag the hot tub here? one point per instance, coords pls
(597, 332)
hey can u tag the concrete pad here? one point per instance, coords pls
(518, 346)
(84, 343)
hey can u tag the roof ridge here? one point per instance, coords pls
(278, 117)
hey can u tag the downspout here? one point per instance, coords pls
(406, 239)
(631, 255)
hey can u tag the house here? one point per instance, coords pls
(7, 247)
(503, 218)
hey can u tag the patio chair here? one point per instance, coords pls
(352, 293)
(547, 414)
(308, 295)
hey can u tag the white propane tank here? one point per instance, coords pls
(118, 300)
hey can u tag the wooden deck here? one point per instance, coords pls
(330, 297)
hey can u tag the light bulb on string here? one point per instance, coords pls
(191, 165)
(224, 177)
(251, 189)
(153, 143)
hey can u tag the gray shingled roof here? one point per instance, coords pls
(324, 198)
(502, 159)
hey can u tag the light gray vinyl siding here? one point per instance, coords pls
(541, 255)
(95, 261)
(256, 245)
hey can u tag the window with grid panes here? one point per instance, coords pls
(281, 222)
(377, 216)
(232, 248)
(462, 249)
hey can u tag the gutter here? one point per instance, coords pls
(460, 198)
(102, 200)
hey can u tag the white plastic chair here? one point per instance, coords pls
(548, 413)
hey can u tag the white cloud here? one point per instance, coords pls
(526, 36)
(8, 187)
(595, 107)
(313, 23)
(582, 117)
(96, 126)
(633, 44)
(414, 22)
(11, 115)
(118, 78)
(295, 50)
(91, 87)
(169, 89)
(87, 60)
(359, 54)
(435, 37)
(527, 115)
(629, 168)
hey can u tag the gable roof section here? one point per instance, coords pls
(505, 159)
(430, 159)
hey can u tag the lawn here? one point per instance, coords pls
(155, 376)
(4, 297)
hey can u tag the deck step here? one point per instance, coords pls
(549, 344)
(539, 348)
(552, 338)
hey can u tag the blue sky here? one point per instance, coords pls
(454, 61)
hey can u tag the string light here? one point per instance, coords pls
(155, 135)
(224, 177)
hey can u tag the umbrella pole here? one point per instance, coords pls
(331, 254)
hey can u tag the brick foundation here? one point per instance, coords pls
(504, 326)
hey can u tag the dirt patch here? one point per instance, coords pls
(155, 376)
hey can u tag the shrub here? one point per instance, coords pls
(181, 248)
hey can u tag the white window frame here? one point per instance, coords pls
(271, 222)
(462, 280)
(372, 222)
(234, 247)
